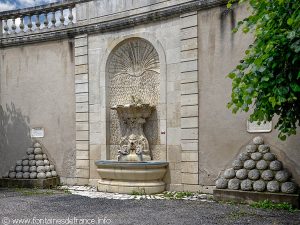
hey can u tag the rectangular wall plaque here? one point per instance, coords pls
(254, 127)
(37, 132)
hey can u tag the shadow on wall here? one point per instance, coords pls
(14, 136)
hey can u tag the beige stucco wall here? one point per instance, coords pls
(222, 135)
(37, 90)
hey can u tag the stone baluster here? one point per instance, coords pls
(29, 25)
(46, 21)
(53, 19)
(13, 26)
(62, 18)
(38, 23)
(71, 17)
(22, 26)
(6, 28)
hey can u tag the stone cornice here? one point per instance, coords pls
(118, 24)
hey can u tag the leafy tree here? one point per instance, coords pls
(268, 77)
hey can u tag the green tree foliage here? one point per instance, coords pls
(268, 78)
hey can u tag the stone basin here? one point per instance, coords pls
(127, 177)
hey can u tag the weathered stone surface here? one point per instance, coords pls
(254, 174)
(262, 164)
(267, 175)
(258, 140)
(221, 183)
(256, 156)
(19, 175)
(237, 164)
(48, 174)
(33, 175)
(249, 164)
(12, 175)
(47, 168)
(251, 148)
(40, 163)
(25, 162)
(275, 165)
(259, 185)
(45, 156)
(37, 145)
(244, 156)
(41, 175)
(40, 169)
(6, 175)
(19, 163)
(32, 169)
(289, 187)
(273, 186)
(52, 167)
(25, 157)
(54, 173)
(32, 163)
(31, 157)
(39, 157)
(282, 175)
(263, 148)
(30, 151)
(241, 174)
(38, 151)
(19, 168)
(12, 169)
(234, 184)
(46, 162)
(26, 175)
(25, 168)
(269, 156)
(246, 185)
(229, 173)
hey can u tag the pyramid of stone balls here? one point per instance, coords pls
(257, 169)
(35, 165)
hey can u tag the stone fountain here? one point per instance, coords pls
(134, 170)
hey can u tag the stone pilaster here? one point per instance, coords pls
(82, 109)
(189, 100)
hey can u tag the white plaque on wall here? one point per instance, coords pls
(263, 127)
(37, 132)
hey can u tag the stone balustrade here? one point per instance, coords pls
(34, 19)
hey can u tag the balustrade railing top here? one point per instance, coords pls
(53, 15)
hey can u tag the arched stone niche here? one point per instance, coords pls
(133, 74)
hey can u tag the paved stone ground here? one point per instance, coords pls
(60, 207)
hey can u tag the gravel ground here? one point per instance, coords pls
(57, 207)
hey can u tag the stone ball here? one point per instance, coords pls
(54, 173)
(25, 162)
(254, 174)
(251, 148)
(263, 149)
(39, 157)
(33, 175)
(237, 164)
(52, 167)
(31, 157)
(269, 156)
(289, 187)
(46, 162)
(39, 163)
(12, 169)
(26, 175)
(249, 164)
(282, 176)
(47, 168)
(234, 184)
(19, 175)
(246, 185)
(275, 165)
(267, 175)
(38, 151)
(5, 175)
(19, 163)
(258, 140)
(241, 174)
(256, 156)
(32, 169)
(40, 169)
(19, 168)
(45, 156)
(12, 175)
(229, 173)
(273, 186)
(262, 165)
(30, 151)
(32, 163)
(48, 174)
(41, 175)
(37, 145)
(25, 157)
(244, 156)
(259, 185)
(25, 168)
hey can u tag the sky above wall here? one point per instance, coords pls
(6, 5)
